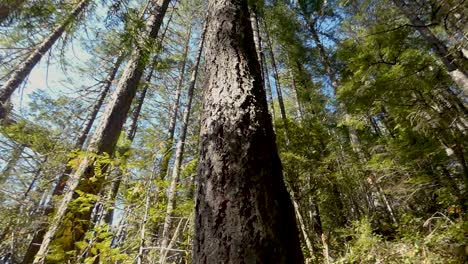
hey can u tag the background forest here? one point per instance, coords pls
(368, 100)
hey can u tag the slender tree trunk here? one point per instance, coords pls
(171, 242)
(317, 223)
(269, 89)
(243, 211)
(456, 71)
(106, 135)
(79, 143)
(21, 73)
(131, 131)
(86, 128)
(275, 74)
(296, 101)
(130, 135)
(11, 164)
(302, 225)
(459, 153)
(104, 214)
(261, 58)
(324, 57)
(257, 38)
(353, 134)
(172, 194)
(175, 110)
(36, 177)
(144, 220)
(121, 227)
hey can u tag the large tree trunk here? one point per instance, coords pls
(179, 155)
(21, 73)
(456, 71)
(243, 211)
(79, 143)
(106, 135)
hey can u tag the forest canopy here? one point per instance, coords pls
(234, 131)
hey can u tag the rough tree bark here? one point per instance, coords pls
(21, 73)
(106, 135)
(179, 155)
(457, 72)
(243, 211)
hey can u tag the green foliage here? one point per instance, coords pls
(435, 240)
(375, 167)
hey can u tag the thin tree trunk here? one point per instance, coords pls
(275, 74)
(106, 135)
(302, 226)
(324, 57)
(144, 221)
(21, 73)
(459, 153)
(34, 245)
(296, 101)
(257, 38)
(243, 211)
(261, 58)
(174, 112)
(120, 233)
(353, 134)
(172, 242)
(104, 215)
(317, 222)
(131, 131)
(171, 199)
(86, 128)
(130, 135)
(12, 162)
(37, 175)
(458, 74)
(268, 88)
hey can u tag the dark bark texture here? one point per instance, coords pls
(243, 211)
